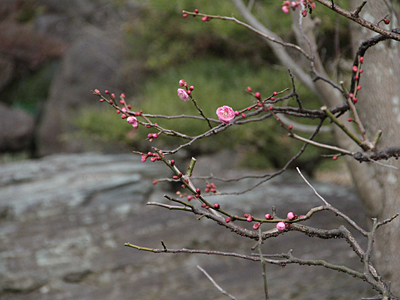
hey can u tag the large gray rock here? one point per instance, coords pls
(17, 128)
(93, 61)
(7, 70)
(64, 220)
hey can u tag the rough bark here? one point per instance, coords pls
(379, 107)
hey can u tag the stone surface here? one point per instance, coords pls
(17, 128)
(7, 71)
(64, 220)
(91, 62)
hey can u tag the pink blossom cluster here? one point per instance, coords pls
(133, 121)
(287, 5)
(210, 188)
(225, 114)
(153, 157)
(184, 94)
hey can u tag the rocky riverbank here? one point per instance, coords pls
(64, 220)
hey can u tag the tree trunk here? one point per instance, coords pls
(379, 108)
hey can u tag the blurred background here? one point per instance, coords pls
(53, 53)
(66, 189)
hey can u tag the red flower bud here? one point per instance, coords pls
(269, 217)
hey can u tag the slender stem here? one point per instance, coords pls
(263, 264)
(289, 45)
(357, 11)
(344, 128)
(314, 190)
(215, 283)
(361, 21)
(191, 167)
(334, 148)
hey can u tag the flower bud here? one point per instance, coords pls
(280, 226)
(291, 216)
(269, 217)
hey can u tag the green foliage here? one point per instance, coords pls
(163, 38)
(110, 129)
(216, 82)
(31, 90)
(209, 56)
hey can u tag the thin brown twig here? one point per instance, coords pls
(215, 283)
(288, 45)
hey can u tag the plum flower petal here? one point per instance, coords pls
(132, 120)
(183, 95)
(225, 114)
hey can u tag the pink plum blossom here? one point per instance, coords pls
(291, 216)
(183, 95)
(280, 226)
(132, 120)
(225, 114)
(285, 9)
